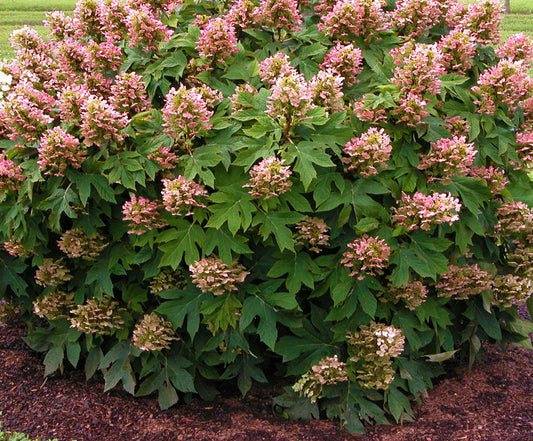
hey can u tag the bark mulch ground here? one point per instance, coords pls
(494, 402)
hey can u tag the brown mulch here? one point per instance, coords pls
(494, 402)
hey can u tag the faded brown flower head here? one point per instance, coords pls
(153, 333)
(76, 243)
(328, 371)
(98, 316)
(211, 274)
(312, 232)
(412, 295)
(166, 280)
(510, 290)
(52, 272)
(55, 305)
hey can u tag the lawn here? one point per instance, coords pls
(16, 13)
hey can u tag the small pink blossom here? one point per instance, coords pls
(418, 67)
(326, 90)
(143, 215)
(290, 99)
(463, 281)
(312, 233)
(354, 18)
(366, 256)
(59, 150)
(180, 195)
(269, 178)
(185, 113)
(26, 112)
(422, 211)
(458, 50)
(217, 40)
(241, 14)
(346, 60)
(274, 67)
(448, 157)
(145, 29)
(128, 94)
(482, 19)
(10, 175)
(211, 274)
(414, 18)
(517, 47)
(367, 153)
(506, 83)
(524, 148)
(493, 177)
(101, 123)
(280, 14)
(411, 109)
(71, 100)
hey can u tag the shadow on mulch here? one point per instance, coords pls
(494, 402)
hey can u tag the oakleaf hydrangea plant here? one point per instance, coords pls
(327, 194)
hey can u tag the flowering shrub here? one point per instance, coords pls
(337, 192)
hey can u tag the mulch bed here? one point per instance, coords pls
(494, 402)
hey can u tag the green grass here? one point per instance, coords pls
(517, 6)
(36, 5)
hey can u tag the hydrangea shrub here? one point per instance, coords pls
(332, 195)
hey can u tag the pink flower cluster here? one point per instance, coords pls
(180, 195)
(493, 177)
(482, 19)
(524, 148)
(217, 40)
(166, 158)
(128, 94)
(71, 100)
(412, 295)
(365, 112)
(448, 157)
(145, 29)
(326, 91)
(366, 256)
(413, 18)
(143, 215)
(368, 152)
(312, 232)
(269, 178)
(16, 248)
(290, 99)
(280, 14)
(515, 219)
(458, 49)
(345, 60)
(422, 211)
(461, 282)
(185, 113)
(242, 13)
(457, 126)
(418, 67)
(508, 83)
(411, 109)
(101, 123)
(517, 47)
(211, 274)
(274, 67)
(26, 111)
(59, 150)
(10, 175)
(241, 99)
(354, 18)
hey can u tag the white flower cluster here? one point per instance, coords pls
(5, 84)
